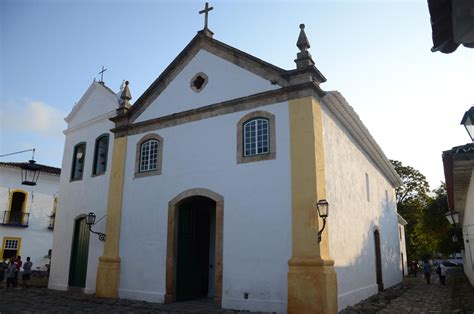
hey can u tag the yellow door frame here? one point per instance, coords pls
(5, 241)
(23, 210)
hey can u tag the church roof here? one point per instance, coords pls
(41, 168)
(266, 70)
(94, 85)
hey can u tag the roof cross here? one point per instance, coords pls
(206, 12)
(102, 74)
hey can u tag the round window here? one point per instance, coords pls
(198, 82)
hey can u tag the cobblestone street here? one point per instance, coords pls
(415, 296)
(411, 296)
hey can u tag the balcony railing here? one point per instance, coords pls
(15, 219)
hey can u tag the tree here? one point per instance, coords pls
(428, 231)
(412, 197)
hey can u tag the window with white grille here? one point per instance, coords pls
(256, 137)
(149, 155)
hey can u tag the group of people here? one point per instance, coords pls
(441, 270)
(13, 271)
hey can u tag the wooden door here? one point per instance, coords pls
(79, 254)
(378, 260)
(192, 274)
(16, 210)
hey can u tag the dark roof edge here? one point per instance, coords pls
(42, 168)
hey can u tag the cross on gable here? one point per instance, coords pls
(102, 74)
(206, 13)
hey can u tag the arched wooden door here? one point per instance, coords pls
(378, 260)
(79, 254)
(17, 207)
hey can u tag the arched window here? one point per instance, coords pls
(78, 159)
(256, 137)
(149, 155)
(100, 154)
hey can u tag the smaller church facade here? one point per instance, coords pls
(207, 188)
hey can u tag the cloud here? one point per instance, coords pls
(35, 117)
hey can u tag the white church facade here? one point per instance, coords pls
(207, 185)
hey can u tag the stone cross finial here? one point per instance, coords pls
(102, 74)
(206, 13)
(303, 42)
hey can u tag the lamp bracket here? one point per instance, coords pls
(320, 232)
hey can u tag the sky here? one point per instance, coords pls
(376, 53)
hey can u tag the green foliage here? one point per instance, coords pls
(428, 232)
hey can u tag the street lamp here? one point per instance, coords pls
(323, 210)
(452, 216)
(90, 221)
(29, 171)
(468, 122)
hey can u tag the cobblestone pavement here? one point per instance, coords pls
(415, 296)
(411, 296)
(42, 300)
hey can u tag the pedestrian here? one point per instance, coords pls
(18, 264)
(414, 268)
(442, 271)
(427, 271)
(11, 271)
(27, 272)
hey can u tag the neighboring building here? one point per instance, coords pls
(403, 247)
(458, 169)
(27, 213)
(212, 178)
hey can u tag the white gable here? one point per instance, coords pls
(226, 81)
(96, 102)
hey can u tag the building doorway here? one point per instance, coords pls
(17, 207)
(378, 260)
(79, 254)
(194, 249)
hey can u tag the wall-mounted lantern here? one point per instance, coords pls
(452, 216)
(30, 170)
(90, 221)
(323, 210)
(468, 122)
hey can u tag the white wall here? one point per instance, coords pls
(36, 239)
(82, 196)
(226, 81)
(257, 211)
(353, 218)
(468, 232)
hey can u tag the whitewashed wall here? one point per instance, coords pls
(257, 211)
(353, 218)
(82, 196)
(36, 239)
(468, 232)
(226, 81)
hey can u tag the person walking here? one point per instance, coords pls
(27, 272)
(11, 272)
(18, 264)
(427, 271)
(443, 270)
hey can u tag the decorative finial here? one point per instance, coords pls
(206, 31)
(125, 97)
(303, 42)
